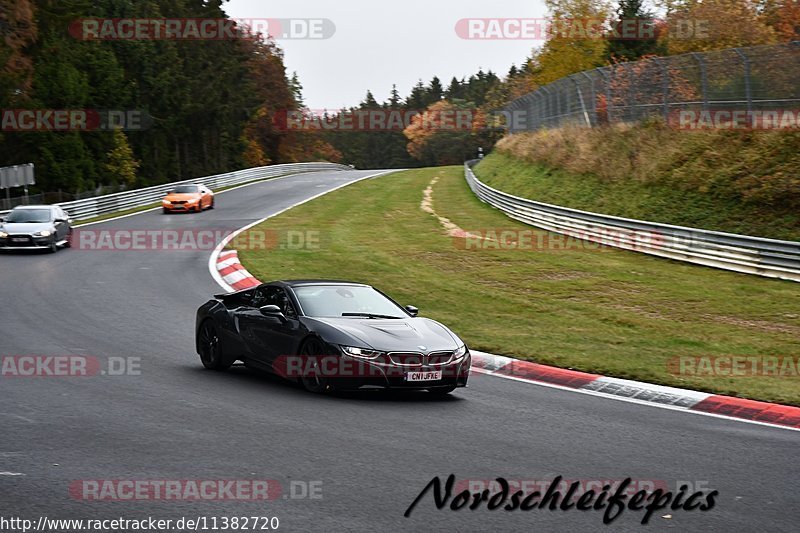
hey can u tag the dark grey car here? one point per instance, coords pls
(330, 335)
(31, 227)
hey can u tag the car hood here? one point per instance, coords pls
(33, 227)
(182, 197)
(408, 334)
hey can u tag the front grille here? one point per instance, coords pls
(406, 358)
(419, 359)
(439, 358)
(13, 242)
(179, 202)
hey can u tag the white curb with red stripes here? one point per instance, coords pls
(233, 272)
(764, 413)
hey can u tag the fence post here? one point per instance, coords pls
(594, 98)
(557, 116)
(748, 91)
(580, 99)
(631, 108)
(703, 78)
(539, 111)
(549, 107)
(664, 86)
(607, 73)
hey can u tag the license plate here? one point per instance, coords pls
(19, 239)
(424, 376)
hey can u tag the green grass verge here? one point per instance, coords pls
(612, 312)
(662, 202)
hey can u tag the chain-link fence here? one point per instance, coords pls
(759, 78)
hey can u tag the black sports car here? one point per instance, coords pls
(330, 335)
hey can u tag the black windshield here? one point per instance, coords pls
(184, 189)
(346, 300)
(23, 216)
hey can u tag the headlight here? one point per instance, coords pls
(459, 354)
(3, 234)
(361, 353)
(166, 202)
(193, 201)
(43, 233)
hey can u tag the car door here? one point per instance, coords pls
(269, 337)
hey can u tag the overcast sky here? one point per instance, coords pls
(378, 43)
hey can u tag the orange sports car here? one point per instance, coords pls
(186, 198)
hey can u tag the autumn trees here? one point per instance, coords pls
(210, 103)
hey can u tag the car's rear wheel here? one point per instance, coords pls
(312, 379)
(211, 205)
(210, 347)
(442, 391)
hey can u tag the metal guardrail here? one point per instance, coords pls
(729, 251)
(112, 203)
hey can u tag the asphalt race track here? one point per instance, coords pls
(371, 453)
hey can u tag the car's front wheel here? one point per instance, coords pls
(210, 347)
(312, 379)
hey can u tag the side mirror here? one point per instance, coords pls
(170, 192)
(413, 311)
(271, 310)
(2, 219)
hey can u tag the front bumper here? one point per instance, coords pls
(344, 372)
(179, 207)
(25, 242)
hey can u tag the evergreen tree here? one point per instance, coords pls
(369, 102)
(418, 97)
(435, 90)
(394, 97)
(455, 89)
(623, 47)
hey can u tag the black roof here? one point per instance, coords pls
(294, 283)
(301, 282)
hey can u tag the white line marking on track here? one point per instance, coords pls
(19, 417)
